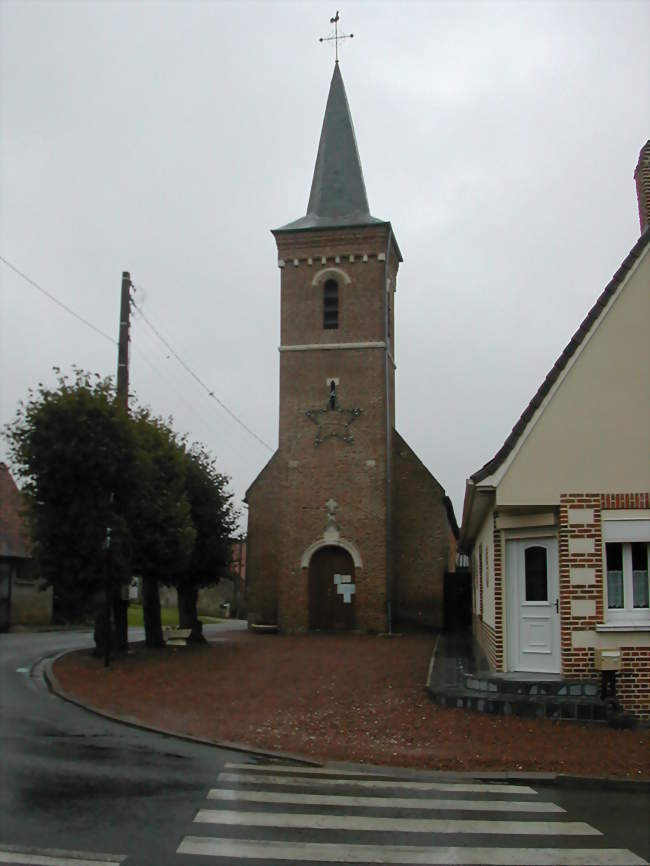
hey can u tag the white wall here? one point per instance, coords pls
(594, 434)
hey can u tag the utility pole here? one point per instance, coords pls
(121, 591)
(123, 343)
(107, 590)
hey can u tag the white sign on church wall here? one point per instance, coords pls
(345, 587)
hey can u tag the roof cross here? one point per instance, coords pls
(336, 37)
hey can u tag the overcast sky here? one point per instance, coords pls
(168, 138)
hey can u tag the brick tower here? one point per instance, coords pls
(321, 535)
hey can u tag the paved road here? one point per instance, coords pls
(73, 782)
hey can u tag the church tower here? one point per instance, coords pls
(321, 538)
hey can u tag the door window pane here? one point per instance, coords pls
(615, 595)
(536, 574)
(639, 574)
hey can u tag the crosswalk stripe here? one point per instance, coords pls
(423, 856)
(35, 859)
(406, 785)
(383, 802)
(357, 823)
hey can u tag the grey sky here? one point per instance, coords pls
(168, 138)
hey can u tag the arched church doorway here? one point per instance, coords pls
(331, 590)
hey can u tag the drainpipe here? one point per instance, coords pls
(389, 447)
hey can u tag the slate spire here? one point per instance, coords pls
(338, 192)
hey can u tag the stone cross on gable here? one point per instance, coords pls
(332, 528)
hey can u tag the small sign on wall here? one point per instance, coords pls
(345, 587)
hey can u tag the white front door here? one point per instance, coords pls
(533, 605)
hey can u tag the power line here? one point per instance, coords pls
(155, 331)
(225, 441)
(200, 381)
(57, 301)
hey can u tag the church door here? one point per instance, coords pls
(331, 590)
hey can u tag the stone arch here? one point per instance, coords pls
(332, 273)
(351, 548)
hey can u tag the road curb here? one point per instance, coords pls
(562, 780)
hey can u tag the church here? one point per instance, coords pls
(347, 529)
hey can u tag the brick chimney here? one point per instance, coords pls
(642, 178)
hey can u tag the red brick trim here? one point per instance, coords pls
(579, 662)
(633, 681)
(497, 559)
(614, 501)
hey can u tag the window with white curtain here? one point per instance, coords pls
(628, 586)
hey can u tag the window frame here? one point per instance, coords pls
(628, 613)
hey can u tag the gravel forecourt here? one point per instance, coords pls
(337, 697)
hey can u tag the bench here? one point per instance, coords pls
(175, 636)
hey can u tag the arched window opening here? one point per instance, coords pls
(330, 305)
(332, 395)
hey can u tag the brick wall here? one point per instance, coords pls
(264, 540)
(421, 539)
(581, 578)
(287, 504)
(497, 554)
(30, 605)
(582, 595)
(490, 638)
(489, 641)
(633, 681)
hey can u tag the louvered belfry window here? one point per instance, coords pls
(330, 305)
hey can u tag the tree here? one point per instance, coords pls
(159, 516)
(214, 520)
(109, 494)
(74, 452)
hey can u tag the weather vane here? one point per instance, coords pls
(336, 36)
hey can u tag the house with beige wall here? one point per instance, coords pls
(557, 524)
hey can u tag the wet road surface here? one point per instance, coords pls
(74, 782)
(71, 780)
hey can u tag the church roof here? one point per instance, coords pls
(338, 193)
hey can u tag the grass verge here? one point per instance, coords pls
(168, 616)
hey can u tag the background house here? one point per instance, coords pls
(22, 602)
(558, 522)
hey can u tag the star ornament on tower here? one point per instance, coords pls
(333, 423)
(336, 37)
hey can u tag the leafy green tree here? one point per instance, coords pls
(110, 494)
(73, 449)
(159, 518)
(214, 521)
